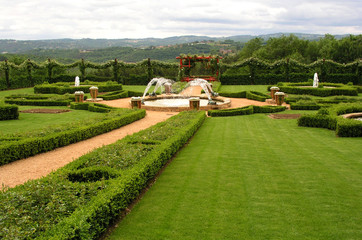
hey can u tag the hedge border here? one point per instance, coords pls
(339, 89)
(330, 119)
(91, 220)
(248, 110)
(9, 112)
(28, 147)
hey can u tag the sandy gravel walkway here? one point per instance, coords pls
(20, 171)
(42, 164)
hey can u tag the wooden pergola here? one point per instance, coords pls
(186, 62)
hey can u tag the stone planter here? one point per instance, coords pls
(136, 102)
(79, 96)
(194, 103)
(279, 98)
(273, 90)
(93, 92)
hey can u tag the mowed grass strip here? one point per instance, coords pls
(252, 177)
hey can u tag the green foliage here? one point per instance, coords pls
(241, 94)
(30, 146)
(349, 128)
(115, 95)
(305, 105)
(328, 118)
(258, 96)
(318, 120)
(8, 112)
(56, 89)
(92, 190)
(337, 89)
(248, 110)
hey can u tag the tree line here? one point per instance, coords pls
(345, 50)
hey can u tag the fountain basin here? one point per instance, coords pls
(178, 103)
(356, 116)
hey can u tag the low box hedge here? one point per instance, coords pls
(32, 146)
(245, 110)
(56, 89)
(241, 94)
(329, 118)
(38, 102)
(337, 89)
(80, 200)
(258, 96)
(115, 95)
(9, 112)
(349, 128)
(93, 107)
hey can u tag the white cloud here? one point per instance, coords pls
(40, 19)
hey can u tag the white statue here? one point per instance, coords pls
(315, 80)
(77, 82)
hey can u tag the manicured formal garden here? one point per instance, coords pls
(243, 175)
(253, 177)
(80, 200)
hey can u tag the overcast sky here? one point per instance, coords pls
(41, 19)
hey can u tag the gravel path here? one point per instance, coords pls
(38, 166)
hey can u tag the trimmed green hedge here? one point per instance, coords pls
(339, 89)
(115, 95)
(245, 110)
(329, 118)
(28, 147)
(241, 94)
(349, 128)
(134, 94)
(9, 112)
(318, 120)
(38, 102)
(261, 79)
(56, 89)
(93, 107)
(253, 95)
(305, 105)
(80, 200)
(258, 96)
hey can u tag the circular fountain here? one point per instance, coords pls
(173, 102)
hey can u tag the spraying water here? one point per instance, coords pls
(159, 83)
(206, 86)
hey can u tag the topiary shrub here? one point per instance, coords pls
(9, 112)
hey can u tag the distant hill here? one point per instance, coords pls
(23, 46)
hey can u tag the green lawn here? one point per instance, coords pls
(252, 177)
(16, 91)
(32, 121)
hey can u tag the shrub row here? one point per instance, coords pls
(322, 92)
(248, 110)
(328, 118)
(80, 200)
(9, 112)
(32, 146)
(270, 78)
(115, 95)
(92, 107)
(90, 221)
(253, 95)
(56, 89)
(305, 105)
(38, 102)
(241, 94)
(261, 79)
(258, 96)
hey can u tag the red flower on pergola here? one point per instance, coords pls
(185, 62)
